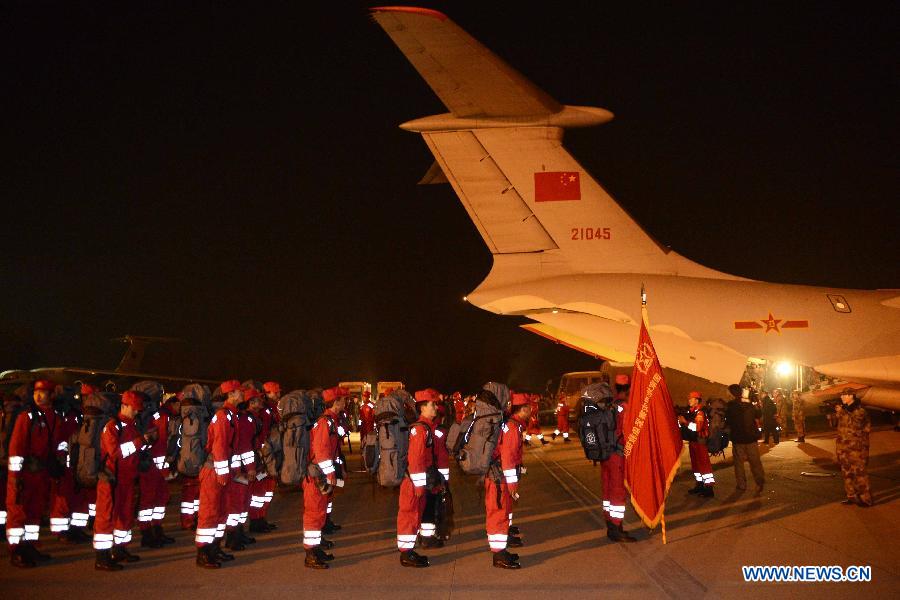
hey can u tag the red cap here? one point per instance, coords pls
(133, 399)
(87, 389)
(520, 399)
(43, 384)
(367, 394)
(428, 395)
(330, 395)
(250, 393)
(456, 396)
(272, 387)
(622, 379)
(229, 386)
(342, 391)
(696, 395)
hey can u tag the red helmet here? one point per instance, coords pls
(330, 395)
(696, 395)
(272, 387)
(250, 393)
(520, 399)
(229, 386)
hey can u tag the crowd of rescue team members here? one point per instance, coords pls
(230, 484)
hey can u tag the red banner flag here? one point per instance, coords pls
(557, 185)
(652, 438)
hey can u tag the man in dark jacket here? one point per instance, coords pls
(741, 418)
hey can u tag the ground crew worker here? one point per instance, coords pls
(562, 419)
(797, 414)
(31, 448)
(430, 536)
(214, 477)
(324, 448)
(698, 430)
(852, 448)
(612, 470)
(421, 475)
(120, 444)
(153, 482)
(260, 485)
(502, 484)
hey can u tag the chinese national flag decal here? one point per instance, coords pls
(557, 185)
(652, 438)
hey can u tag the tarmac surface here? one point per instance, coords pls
(797, 520)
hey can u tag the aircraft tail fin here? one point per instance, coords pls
(134, 354)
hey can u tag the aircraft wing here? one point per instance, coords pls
(469, 79)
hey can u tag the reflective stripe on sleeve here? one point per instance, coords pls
(418, 479)
(16, 463)
(128, 448)
(327, 466)
(511, 476)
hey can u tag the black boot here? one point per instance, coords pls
(504, 560)
(566, 439)
(269, 526)
(698, 487)
(206, 558)
(707, 491)
(242, 535)
(617, 534)
(19, 557)
(430, 542)
(514, 542)
(104, 562)
(219, 554)
(233, 541)
(513, 530)
(161, 535)
(149, 540)
(326, 556)
(31, 551)
(258, 526)
(801, 439)
(326, 544)
(121, 554)
(409, 558)
(330, 526)
(313, 561)
(544, 442)
(76, 535)
(626, 537)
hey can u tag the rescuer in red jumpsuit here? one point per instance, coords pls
(31, 446)
(214, 478)
(534, 422)
(154, 481)
(414, 488)
(562, 419)
(501, 484)
(613, 470)
(325, 444)
(260, 488)
(366, 416)
(243, 471)
(120, 443)
(700, 464)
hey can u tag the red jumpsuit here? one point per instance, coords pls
(323, 451)
(700, 464)
(498, 497)
(62, 490)
(243, 469)
(534, 423)
(121, 444)
(442, 461)
(153, 484)
(215, 475)
(460, 407)
(27, 489)
(562, 419)
(613, 474)
(366, 419)
(260, 485)
(413, 489)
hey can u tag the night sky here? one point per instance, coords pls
(236, 177)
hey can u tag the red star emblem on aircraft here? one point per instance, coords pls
(771, 323)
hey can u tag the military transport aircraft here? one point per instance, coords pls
(568, 257)
(126, 373)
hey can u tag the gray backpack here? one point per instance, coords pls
(480, 432)
(192, 423)
(84, 447)
(294, 407)
(392, 439)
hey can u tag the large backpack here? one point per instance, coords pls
(153, 395)
(475, 440)
(295, 408)
(392, 439)
(597, 423)
(193, 422)
(85, 454)
(718, 431)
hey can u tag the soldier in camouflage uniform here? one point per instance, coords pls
(797, 406)
(852, 448)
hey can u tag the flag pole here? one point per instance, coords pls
(646, 318)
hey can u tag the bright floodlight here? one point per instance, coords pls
(784, 368)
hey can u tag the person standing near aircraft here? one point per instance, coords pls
(769, 418)
(797, 414)
(697, 433)
(562, 419)
(121, 443)
(741, 416)
(852, 448)
(32, 446)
